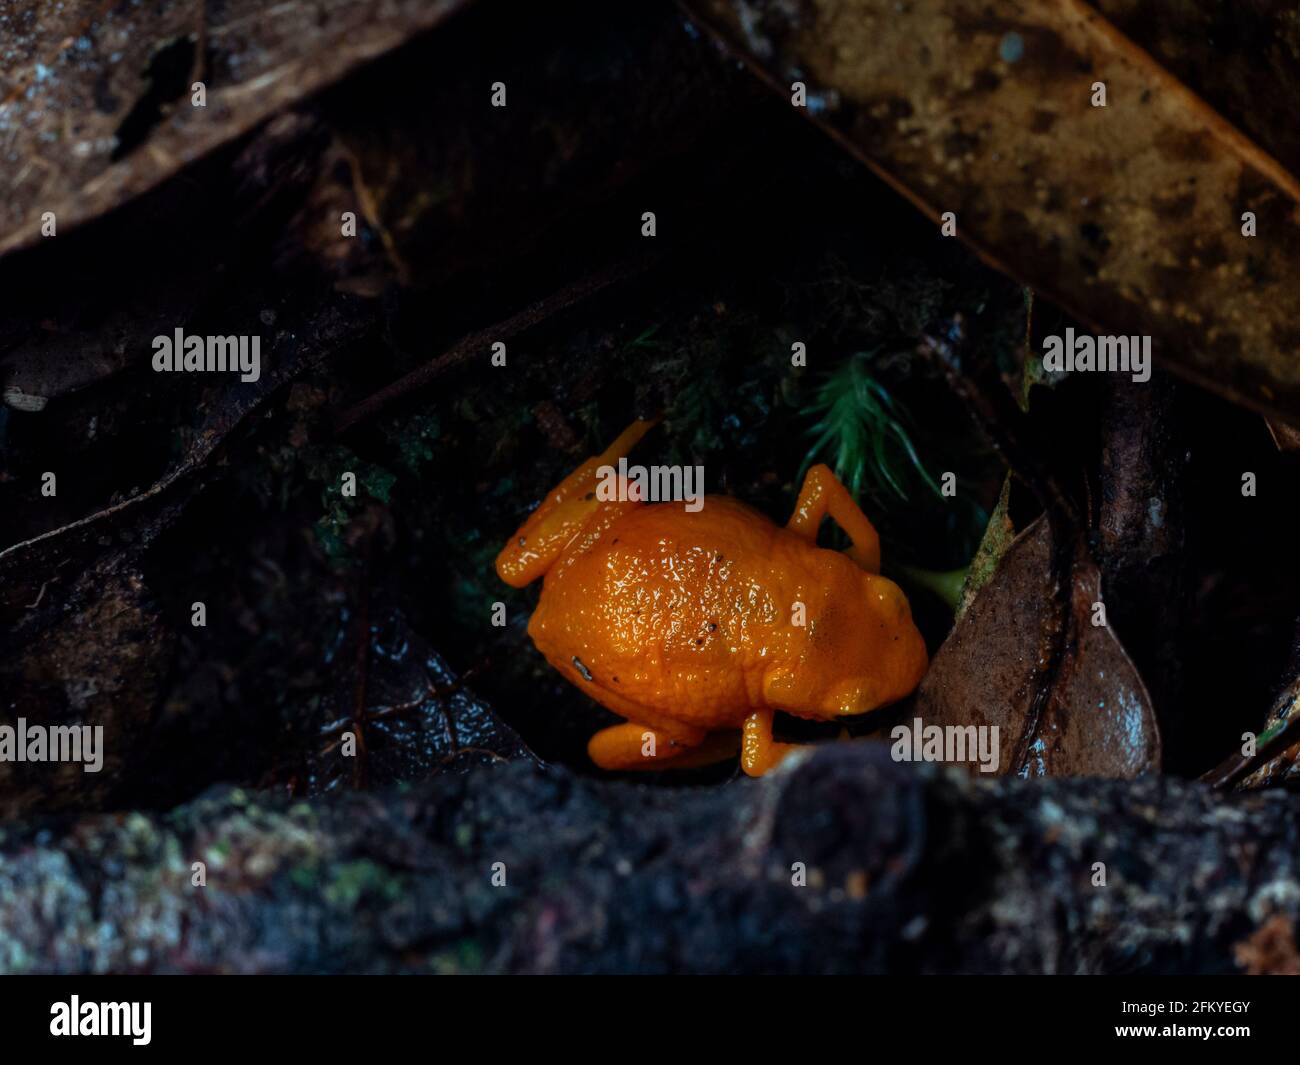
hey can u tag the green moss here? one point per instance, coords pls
(415, 440)
(354, 880)
(466, 956)
(305, 877)
(325, 467)
(864, 435)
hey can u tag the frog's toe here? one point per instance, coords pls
(633, 746)
(759, 752)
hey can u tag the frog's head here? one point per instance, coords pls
(861, 651)
(878, 652)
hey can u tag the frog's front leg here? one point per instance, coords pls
(563, 514)
(759, 752)
(823, 494)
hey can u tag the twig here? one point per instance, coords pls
(1238, 766)
(474, 344)
(1001, 421)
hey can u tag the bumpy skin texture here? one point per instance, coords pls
(687, 623)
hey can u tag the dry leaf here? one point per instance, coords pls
(95, 103)
(1065, 697)
(1128, 215)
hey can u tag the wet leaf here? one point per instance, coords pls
(1239, 54)
(104, 663)
(999, 534)
(415, 716)
(1065, 697)
(95, 101)
(26, 566)
(83, 638)
(80, 309)
(1128, 215)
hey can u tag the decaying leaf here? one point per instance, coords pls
(1129, 215)
(96, 98)
(26, 566)
(1065, 697)
(998, 536)
(83, 640)
(77, 314)
(1240, 54)
(1271, 949)
(103, 665)
(415, 716)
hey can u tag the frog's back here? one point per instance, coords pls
(679, 613)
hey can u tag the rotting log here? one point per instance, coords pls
(907, 869)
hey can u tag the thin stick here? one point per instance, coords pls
(475, 343)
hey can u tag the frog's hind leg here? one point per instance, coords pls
(562, 514)
(823, 494)
(759, 752)
(633, 746)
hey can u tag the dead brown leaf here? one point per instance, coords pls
(95, 105)
(1065, 697)
(1270, 950)
(1127, 215)
(1240, 55)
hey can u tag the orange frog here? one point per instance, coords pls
(689, 623)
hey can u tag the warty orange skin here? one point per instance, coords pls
(690, 623)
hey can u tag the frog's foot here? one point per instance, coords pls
(823, 494)
(633, 746)
(759, 752)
